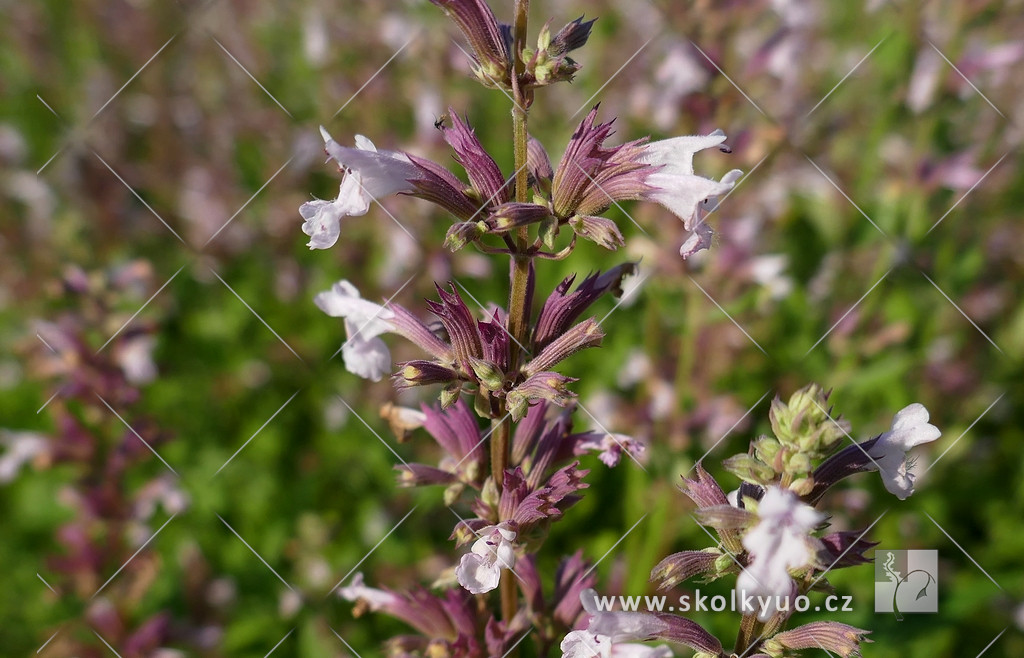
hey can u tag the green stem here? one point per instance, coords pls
(518, 313)
(750, 632)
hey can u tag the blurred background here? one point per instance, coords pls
(177, 434)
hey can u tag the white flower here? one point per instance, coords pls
(687, 196)
(369, 175)
(778, 543)
(19, 449)
(611, 447)
(480, 570)
(364, 353)
(610, 633)
(584, 644)
(910, 427)
(376, 599)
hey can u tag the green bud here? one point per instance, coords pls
(489, 375)
(489, 494)
(517, 405)
(799, 464)
(769, 451)
(749, 469)
(724, 564)
(549, 232)
(802, 486)
(450, 394)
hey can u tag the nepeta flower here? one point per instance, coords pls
(446, 621)
(480, 570)
(369, 174)
(584, 644)
(910, 427)
(677, 188)
(610, 446)
(779, 542)
(364, 353)
(614, 633)
(591, 176)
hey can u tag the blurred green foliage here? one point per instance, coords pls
(313, 492)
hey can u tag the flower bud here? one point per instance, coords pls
(683, 565)
(598, 229)
(549, 386)
(510, 216)
(422, 373)
(462, 233)
(830, 636)
(489, 375)
(583, 335)
(489, 43)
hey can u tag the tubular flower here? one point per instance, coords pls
(364, 353)
(910, 427)
(591, 177)
(369, 174)
(779, 542)
(480, 570)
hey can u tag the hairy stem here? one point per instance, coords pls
(750, 633)
(518, 313)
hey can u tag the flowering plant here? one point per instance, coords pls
(503, 417)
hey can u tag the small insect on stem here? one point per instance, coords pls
(441, 120)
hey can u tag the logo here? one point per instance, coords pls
(906, 581)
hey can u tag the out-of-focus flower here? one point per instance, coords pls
(480, 570)
(779, 542)
(19, 449)
(910, 427)
(135, 356)
(364, 353)
(611, 447)
(369, 175)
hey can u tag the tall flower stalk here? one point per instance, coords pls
(501, 385)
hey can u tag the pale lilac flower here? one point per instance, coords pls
(592, 176)
(779, 542)
(689, 197)
(480, 570)
(584, 644)
(910, 427)
(611, 633)
(369, 174)
(19, 449)
(610, 446)
(376, 599)
(364, 353)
